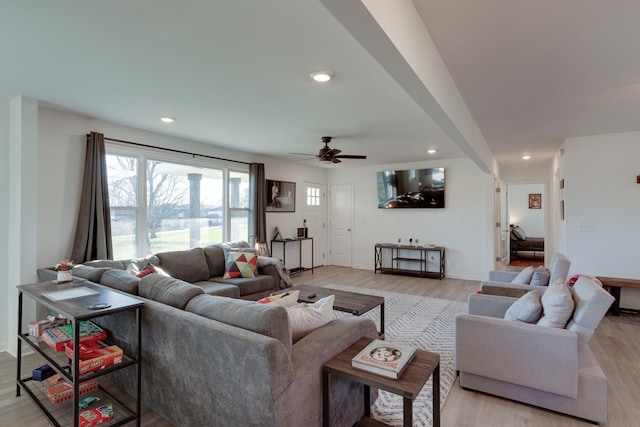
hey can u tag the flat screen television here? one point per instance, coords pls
(413, 188)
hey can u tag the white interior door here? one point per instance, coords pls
(341, 220)
(314, 208)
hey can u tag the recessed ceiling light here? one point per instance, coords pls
(167, 119)
(526, 157)
(431, 151)
(322, 76)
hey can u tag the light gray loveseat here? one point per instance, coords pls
(543, 366)
(218, 361)
(203, 267)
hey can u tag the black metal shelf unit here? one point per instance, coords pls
(423, 261)
(76, 310)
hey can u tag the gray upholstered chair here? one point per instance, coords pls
(552, 368)
(559, 269)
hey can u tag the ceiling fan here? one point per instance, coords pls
(327, 154)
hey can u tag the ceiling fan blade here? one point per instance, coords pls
(335, 160)
(350, 156)
(305, 154)
(334, 151)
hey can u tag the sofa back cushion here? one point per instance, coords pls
(557, 306)
(168, 290)
(92, 274)
(121, 280)
(190, 266)
(559, 267)
(591, 304)
(215, 257)
(266, 319)
(110, 263)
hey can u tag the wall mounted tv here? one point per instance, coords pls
(413, 188)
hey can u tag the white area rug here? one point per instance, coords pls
(426, 323)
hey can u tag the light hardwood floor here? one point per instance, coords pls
(616, 346)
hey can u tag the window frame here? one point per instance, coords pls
(143, 155)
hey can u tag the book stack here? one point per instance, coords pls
(384, 358)
(57, 337)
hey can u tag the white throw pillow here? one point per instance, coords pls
(527, 308)
(133, 269)
(557, 305)
(524, 277)
(304, 318)
(286, 299)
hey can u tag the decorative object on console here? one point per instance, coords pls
(64, 268)
(281, 196)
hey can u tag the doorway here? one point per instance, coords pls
(527, 205)
(340, 220)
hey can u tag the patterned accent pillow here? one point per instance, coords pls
(148, 269)
(240, 264)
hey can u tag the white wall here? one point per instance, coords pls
(4, 222)
(463, 227)
(602, 206)
(530, 220)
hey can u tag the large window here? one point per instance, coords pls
(159, 205)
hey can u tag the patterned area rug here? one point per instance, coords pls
(425, 323)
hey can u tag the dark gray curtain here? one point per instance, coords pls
(93, 234)
(257, 204)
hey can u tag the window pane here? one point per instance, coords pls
(239, 225)
(122, 172)
(184, 206)
(124, 224)
(238, 190)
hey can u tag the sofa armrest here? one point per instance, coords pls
(326, 342)
(308, 355)
(507, 285)
(489, 305)
(502, 276)
(532, 356)
(275, 268)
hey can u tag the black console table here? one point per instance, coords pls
(77, 308)
(299, 240)
(423, 261)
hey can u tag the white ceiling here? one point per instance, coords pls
(236, 73)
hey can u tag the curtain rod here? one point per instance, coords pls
(174, 151)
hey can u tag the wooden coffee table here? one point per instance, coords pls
(350, 302)
(413, 379)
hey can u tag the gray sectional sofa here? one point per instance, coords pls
(217, 361)
(203, 267)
